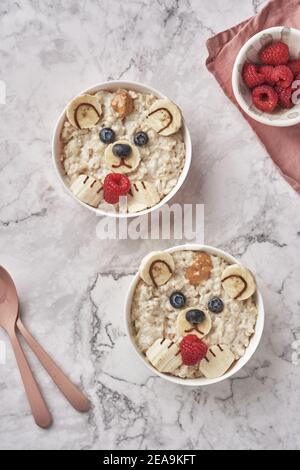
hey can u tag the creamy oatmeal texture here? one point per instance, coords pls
(154, 317)
(159, 162)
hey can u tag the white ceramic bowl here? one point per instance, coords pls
(249, 52)
(254, 341)
(113, 86)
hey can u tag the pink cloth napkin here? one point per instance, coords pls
(283, 144)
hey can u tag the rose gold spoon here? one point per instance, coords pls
(9, 307)
(75, 397)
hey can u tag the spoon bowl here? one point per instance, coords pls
(10, 321)
(9, 309)
(9, 303)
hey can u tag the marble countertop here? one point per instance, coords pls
(72, 285)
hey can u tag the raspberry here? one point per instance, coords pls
(266, 71)
(294, 66)
(192, 350)
(115, 185)
(284, 97)
(265, 98)
(275, 54)
(251, 76)
(282, 76)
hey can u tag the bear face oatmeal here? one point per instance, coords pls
(193, 313)
(122, 143)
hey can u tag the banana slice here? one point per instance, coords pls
(122, 165)
(165, 117)
(142, 196)
(157, 268)
(84, 111)
(164, 355)
(217, 361)
(87, 189)
(184, 327)
(238, 282)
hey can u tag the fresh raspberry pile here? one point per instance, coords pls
(192, 350)
(271, 81)
(115, 185)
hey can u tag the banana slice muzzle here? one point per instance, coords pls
(87, 189)
(238, 282)
(84, 111)
(157, 268)
(119, 161)
(185, 327)
(164, 117)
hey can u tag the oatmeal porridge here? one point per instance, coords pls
(122, 143)
(193, 313)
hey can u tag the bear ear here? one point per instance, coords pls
(164, 117)
(84, 111)
(122, 103)
(157, 268)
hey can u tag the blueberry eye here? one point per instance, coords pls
(107, 135)
(177, 300)
(140, 139)
(216, 305)
(195, 316)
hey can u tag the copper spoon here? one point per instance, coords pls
(75, 397)
(9, 307)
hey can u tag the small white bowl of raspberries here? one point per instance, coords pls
(266, 77)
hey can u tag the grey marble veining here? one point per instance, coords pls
(72, 285)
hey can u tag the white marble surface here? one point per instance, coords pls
(72, 285)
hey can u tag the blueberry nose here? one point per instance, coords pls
(121, 150)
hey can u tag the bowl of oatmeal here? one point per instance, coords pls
(121, 149)
(194, 314)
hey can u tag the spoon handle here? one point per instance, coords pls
(75, 397)
(37, 403)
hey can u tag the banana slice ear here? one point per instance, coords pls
(122, 165)
(164, 355)
(157, 268)
(184, 327)
(88, 190)
(217, 361)
(238, 282)
(164, 117)
(84, 112)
